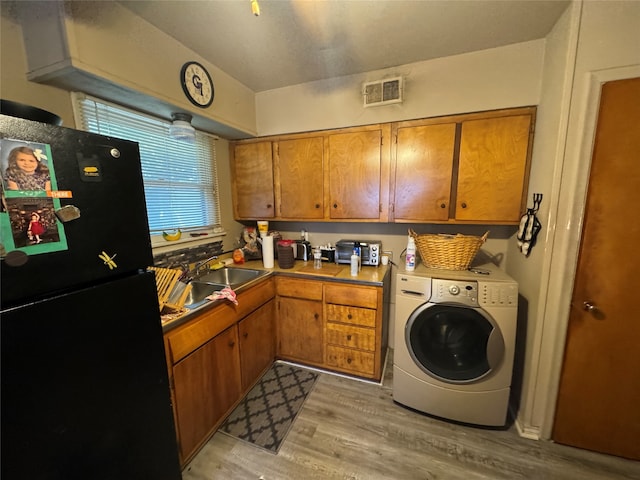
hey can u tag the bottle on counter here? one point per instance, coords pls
(355, 263)
(410, 261)
(317, 258)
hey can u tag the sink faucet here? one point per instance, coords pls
(196, 269)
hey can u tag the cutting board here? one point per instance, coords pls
(330, 270)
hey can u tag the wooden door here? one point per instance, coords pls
(493, 169)
(423, 171)
(252, 176)
(300, 178)
(257, 343)
(598, 406)
(355, 175)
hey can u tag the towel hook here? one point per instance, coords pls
(537, 200)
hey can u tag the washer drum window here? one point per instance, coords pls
(452, 343)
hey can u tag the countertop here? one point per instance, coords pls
(330, 272)
(368, 275)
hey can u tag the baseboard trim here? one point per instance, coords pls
(525, 431)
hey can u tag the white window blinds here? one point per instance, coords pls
(180, 178)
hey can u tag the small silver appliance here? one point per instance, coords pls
(370, 251)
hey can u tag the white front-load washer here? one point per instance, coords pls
(454, 343)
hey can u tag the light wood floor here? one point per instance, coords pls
(353, 430)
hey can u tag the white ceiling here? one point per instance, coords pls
(298, 41)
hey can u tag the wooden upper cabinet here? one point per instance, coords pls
(423, 170)
(299, 178)
(359, 174)
(252, 180)
(493, 168)
(468, 168)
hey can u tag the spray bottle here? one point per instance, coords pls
(410, 264)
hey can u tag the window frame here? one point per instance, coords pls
(214, 230)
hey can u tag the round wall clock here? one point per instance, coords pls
(197, 84)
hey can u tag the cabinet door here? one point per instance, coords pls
(355, 175)
(207, 385)
(257, 343)
(300, 178)
(493, 169)
(299, 330)
(252, 172)
(423, 171)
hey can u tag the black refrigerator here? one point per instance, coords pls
(84, 384)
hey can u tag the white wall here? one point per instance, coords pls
(608, 49)
(490, 79)
(546, 169)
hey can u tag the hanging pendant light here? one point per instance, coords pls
(255, 8)
(181, 128)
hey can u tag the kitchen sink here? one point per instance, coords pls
(230, 276)
(199, 292)
(216, 280)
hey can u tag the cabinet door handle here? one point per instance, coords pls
(349, 316)
(317, 205)
(349, 337)
(269, 205)
(463, 205)
(349, 361)
(315, 315)
(232, 343)
(443, 205)
(245, 334)
(335, 205)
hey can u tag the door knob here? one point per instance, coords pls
(593, 309)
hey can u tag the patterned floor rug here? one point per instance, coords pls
(266, 414)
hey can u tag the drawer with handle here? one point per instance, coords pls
(357, 361)
(352, 315)
(352, 337)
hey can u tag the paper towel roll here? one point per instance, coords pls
(267, 251)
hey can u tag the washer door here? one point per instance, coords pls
(453, 343)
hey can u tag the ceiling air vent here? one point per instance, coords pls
(382, 92)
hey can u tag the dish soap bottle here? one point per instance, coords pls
(410, 264)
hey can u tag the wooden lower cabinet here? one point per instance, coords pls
(257, 343)
(355, 342)
(214, 359)
(337, 326)
(206, 384)
(299, 320)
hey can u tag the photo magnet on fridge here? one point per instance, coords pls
(27, 217)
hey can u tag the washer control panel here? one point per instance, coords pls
(503, 295)
(454, 291)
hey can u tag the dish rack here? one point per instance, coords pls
(448, 252)
(172, 293)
